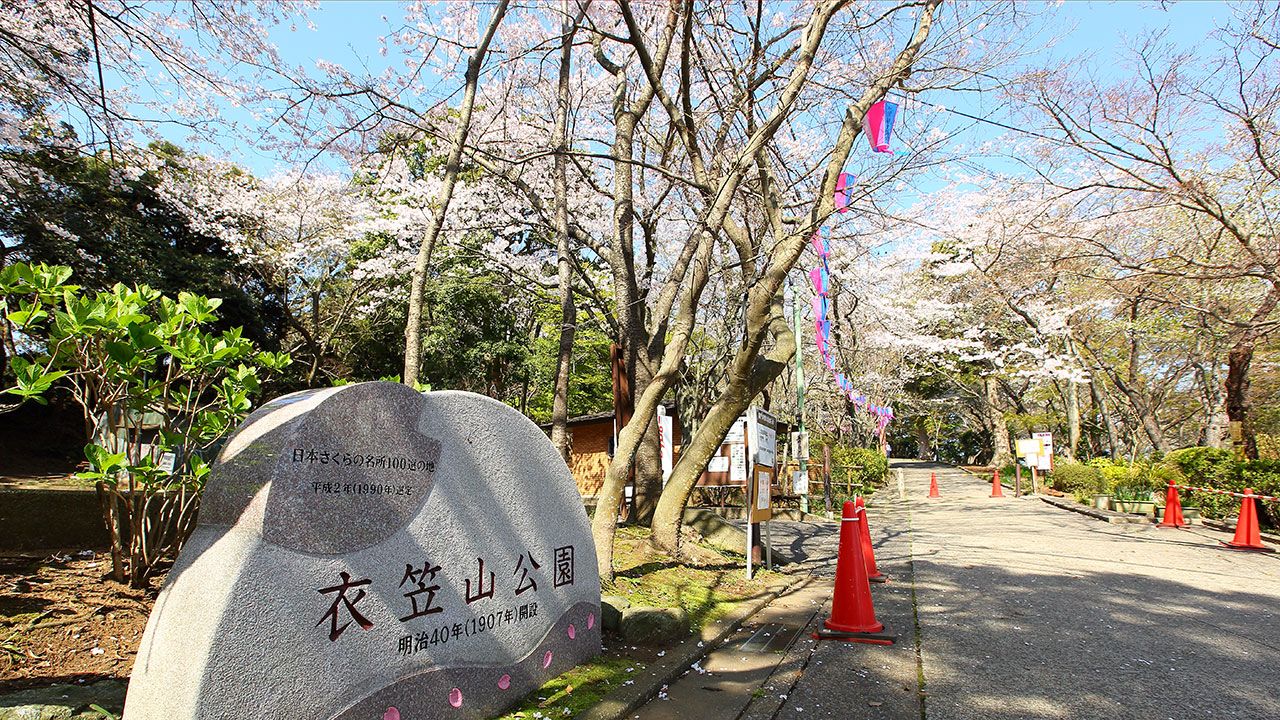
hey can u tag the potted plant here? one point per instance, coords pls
(1133, 499)
(1188, 513)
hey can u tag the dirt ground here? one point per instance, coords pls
(62, 620)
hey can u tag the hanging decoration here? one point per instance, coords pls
(820, 278)
(879, 129)
(844, 193)
(879, 125)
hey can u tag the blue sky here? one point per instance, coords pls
(347, 33)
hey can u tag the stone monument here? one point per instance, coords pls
(368, 552)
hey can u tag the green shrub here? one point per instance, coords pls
(135, 359)
(1203, 465)
(1076, 478)
(1207, 467)
(1160, 475)
(1216, 468)
(1115, 473)
(1263, 476)
(1268, 446)
(1131, 493)
(856, 471)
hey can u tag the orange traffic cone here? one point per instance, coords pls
(868, 551)
(1172, 509)
(933, 485)
(996, 490)
(852, 615)
(1247, 535)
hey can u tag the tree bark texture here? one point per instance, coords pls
(648, 468)
(1073, 419)
(1001, 454)
(749, 371)
(1104, 415)
(1244, 441)
(564, 250)
(413, 324)
(924, 444)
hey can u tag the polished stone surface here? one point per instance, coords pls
(367, 548)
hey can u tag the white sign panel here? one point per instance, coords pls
(762, 490)
(1045, 456)
(737, 433)
(719, 463)
(762, 429)
(664, 442)
(800, 484)
(1046, 442)
(800, 445)
(738, 464)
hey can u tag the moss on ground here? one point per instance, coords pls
(577, 690)
(645, 575)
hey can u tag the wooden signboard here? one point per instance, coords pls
(761, 496)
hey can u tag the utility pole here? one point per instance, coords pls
(801, 458)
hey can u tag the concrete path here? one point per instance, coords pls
(1011, 608)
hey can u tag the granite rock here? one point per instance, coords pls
(651, 625)
(611, 608)
(370, 552)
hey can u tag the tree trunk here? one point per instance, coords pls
(1073, 419)
(413, 324)
(1141, 404)
(648, 467)
(631, 330)
(636, 345)
(695, 256)
(1244, 442)
(1000, 452)
(924, 444)
(1104, 415)
(750, 371)
(1217, 430)
(694, 456)
(1146, 416)
(568, 311)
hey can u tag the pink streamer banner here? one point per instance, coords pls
(844, 181)
(818, 276)
(820, 245)
(815, 277)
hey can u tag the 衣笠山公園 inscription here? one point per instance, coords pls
(438, 560)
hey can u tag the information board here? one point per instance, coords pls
(761, 495)
(762, 436)
(1045, 455)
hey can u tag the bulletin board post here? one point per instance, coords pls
(759, 512)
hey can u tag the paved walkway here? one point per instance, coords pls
(1015, 609)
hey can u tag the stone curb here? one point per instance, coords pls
(1114, 518)
(785, 676)
(623, 701)
(1123, 518)
(1230, 527)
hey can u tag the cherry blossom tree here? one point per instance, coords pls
(1197, 136)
